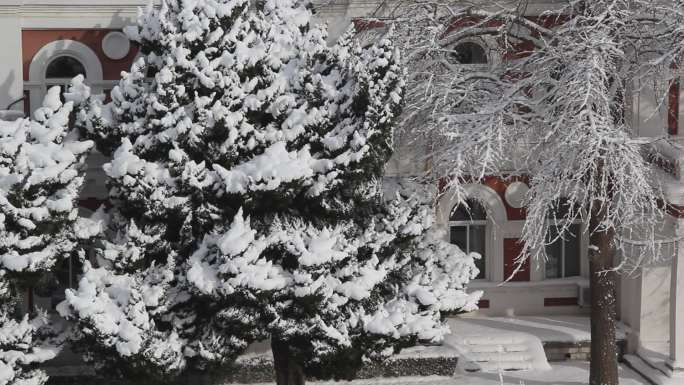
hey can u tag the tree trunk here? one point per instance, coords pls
(602, 283)
(287, 370)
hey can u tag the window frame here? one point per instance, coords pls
(563, 240)
(485, 43)
(482, 223)
(37, 84)
(63, 83)
(53, 59)
(453, 52)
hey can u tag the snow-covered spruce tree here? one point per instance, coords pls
(248, 202)
(553, 109)
(93, 119)
(20, 347)
(40, 181)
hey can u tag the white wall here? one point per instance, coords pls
(655, 302)
(527, 298)
(629, 306)
(11, 74)
(649, 109)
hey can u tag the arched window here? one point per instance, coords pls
(64, 67)
(469, 53)
(56, 63)
(61, 70)
(468, 230)
(562, 250)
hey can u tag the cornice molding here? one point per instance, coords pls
(127, 9)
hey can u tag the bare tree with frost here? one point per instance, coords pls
(248, 194)
(552, 108)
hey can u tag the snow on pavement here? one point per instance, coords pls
(555, 328)
(562, 373)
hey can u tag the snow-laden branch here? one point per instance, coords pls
(552, 108)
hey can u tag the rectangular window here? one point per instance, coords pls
(66, 276)
(459, 237)
(563, 255)
(471, 239)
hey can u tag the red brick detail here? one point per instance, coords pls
(516, 50)
(673, 109)
(676, 211)
(562, 301)
(93, 204)
(32, 40)
(500, 185)
(512, 249)
(364, 24)
(483, 304)
(497, 184)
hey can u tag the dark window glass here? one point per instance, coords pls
(563, 255)
(476, 239)
(64, 275)
(560, 210)
(469, 53)
(477, 245)
(470, 235)
(554, 255)
(151, 72)
(459, 237)
(471, 211)
(572, 252)
(64, 67)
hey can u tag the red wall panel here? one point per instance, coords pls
(513, 248)
(32, 40)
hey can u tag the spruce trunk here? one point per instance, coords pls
(287, 370)
(602, 281)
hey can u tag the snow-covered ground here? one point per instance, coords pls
(564, 373)
(491, 345)
(557, 328)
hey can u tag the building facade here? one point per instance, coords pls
(47, 42)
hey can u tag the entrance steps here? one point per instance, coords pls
(498, 351)
(653, 366)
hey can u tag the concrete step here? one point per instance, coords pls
(495, 366)
(496, 348)
(509, 357)
(653, 375)
(493, 340)
(498, 352)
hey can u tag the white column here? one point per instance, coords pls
(11, 72)
(676, 360)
